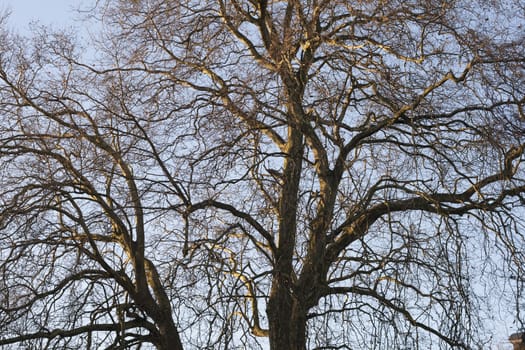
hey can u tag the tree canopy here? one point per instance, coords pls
(284, 175)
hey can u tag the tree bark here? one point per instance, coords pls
(287, 317)
(169, 336)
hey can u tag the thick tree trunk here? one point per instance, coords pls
(286, 316)
(169, 337)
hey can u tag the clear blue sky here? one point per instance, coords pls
(48, 12)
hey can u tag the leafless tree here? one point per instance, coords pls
(264, 174)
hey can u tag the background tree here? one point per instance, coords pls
(321, 174)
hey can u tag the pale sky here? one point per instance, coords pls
(48, 12)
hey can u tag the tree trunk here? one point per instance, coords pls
(169, 337)
(286, 316)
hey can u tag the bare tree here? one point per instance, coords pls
(78, 205)
(253, 174)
